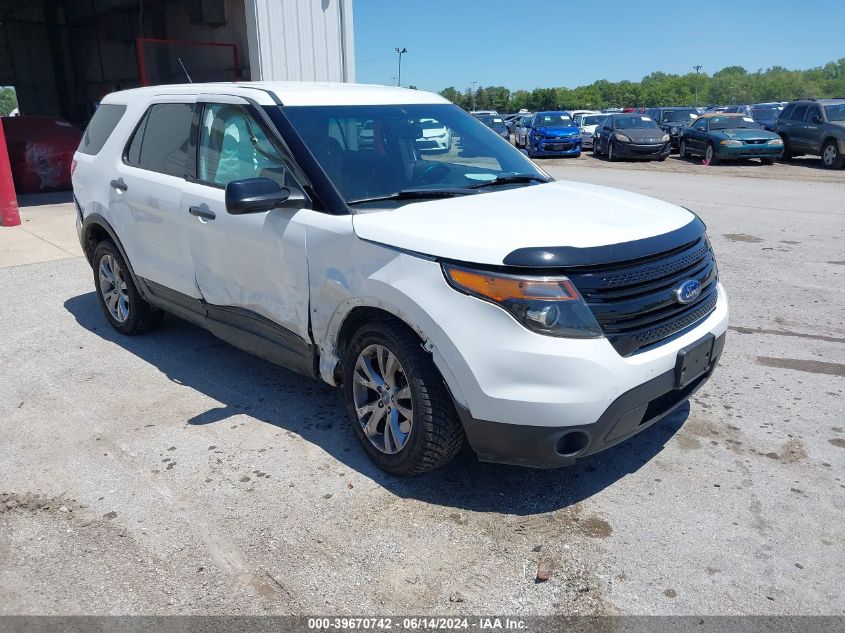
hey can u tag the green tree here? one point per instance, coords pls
(8, 101)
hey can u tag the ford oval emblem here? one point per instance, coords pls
(688, 291)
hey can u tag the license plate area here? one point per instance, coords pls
(693, 361)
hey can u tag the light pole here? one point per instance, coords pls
(401, 52)
(697, 68)
(474, 84)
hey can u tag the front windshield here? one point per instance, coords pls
(422, 146)
(835, 111)
(764, 114)
(553, 119)
(495, 122)
(634, 123)
(678, 116)
(733, 123)
(592, 119)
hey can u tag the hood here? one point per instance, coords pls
(590, 128)
(643, 135)
(485, 228)
(745, 134)
(555, 132)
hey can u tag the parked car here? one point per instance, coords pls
(541, 321)
(588, 125)
(512, 121)
(552, 134)
(497, 124)
(815, 127)
(521, 129)
(672, 120)
(729, 136)
(766, 114)
(576, 115)
(477, 113)
(631, 136)
(745, 110)
(436, 138)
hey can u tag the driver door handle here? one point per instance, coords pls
(119, 185)
(202, 213)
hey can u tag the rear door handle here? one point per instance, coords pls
(119, 185)
(202, 213)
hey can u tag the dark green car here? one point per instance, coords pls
(721, 136)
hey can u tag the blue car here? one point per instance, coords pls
(553, 134)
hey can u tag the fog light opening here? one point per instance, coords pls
(572, 443)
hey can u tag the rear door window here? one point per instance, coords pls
(160, 142)
(102, 124)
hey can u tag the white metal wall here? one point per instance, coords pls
(300, 40)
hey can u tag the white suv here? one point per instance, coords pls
(452, 296)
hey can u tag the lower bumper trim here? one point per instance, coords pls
(546, 447)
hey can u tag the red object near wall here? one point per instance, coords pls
(9, 214)
(41, 151)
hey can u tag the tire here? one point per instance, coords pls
(710, 155)
(832, 158)
(596, 150)
(767, 161)
(611, 155)
(660, 159)
(119, 298)
(576, 155)
(682, 149)
(433, 433)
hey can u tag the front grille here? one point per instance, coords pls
(757, 142)
(552, 146)
(634, 302)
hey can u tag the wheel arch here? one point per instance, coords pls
(95, 229)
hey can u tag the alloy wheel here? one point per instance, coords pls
(113, 288)
(829, 155)
(708, 154)
(382, 399)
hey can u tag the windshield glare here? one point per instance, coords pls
(378, 150)
(678, 116)
(835, 112)
(553, 119)
(733, 123)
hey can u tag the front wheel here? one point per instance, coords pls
(596, 150)
(397, 402)
(611, 151)
(120, 300)
(710, 155)
(831, 156)
(682, 149)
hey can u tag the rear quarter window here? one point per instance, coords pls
(100, 127)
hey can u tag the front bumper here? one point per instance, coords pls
(736, 152)
(554, 447)
(555, 147)
(646, 151)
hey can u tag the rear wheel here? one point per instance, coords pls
(710, 155)
(831, 156)
(123, 306)
(397, 402)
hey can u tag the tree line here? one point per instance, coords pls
(8, 101)
(731, 85)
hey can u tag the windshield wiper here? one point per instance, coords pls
(414, 194)
(509, 179)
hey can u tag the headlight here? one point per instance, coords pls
(546, 305)
(730, 141)
(665, 138)
(775, 141)
(621, 137)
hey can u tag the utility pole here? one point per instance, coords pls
(697, 68)
(474, 84)
(401, 52)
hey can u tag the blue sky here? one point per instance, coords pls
(542, 43)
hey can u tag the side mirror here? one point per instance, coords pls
(257, 195)
(817, 119)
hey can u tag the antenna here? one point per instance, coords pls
(190, 81)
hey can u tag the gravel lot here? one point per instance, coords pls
(170, 473)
